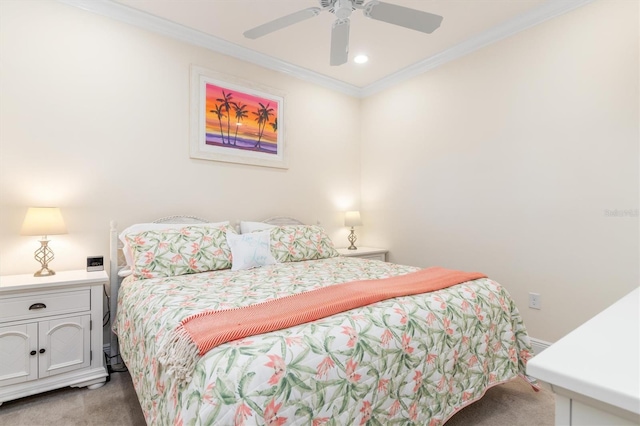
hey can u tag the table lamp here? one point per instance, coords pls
(43, 221)
(352, 219)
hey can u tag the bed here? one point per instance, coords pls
(412, 359)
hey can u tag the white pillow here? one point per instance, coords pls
(125, 272)
(142, 227)
(250, 250)
(248, 227)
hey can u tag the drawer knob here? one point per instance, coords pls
(33, 353)
(42, 351)
(37, 306)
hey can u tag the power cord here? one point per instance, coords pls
(115, 368)
(121, 369)
(107, 316)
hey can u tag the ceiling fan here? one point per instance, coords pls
(380, 11)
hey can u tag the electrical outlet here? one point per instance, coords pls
(534, 301)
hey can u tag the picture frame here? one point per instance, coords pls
(236, 121)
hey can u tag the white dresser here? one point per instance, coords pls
(595, 370)
(51, 332)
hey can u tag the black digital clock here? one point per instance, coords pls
(95, 263)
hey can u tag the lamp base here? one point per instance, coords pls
(44, 272)
(44, 255)
(352, 239)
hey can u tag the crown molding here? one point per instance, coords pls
(549, 10)
(129, 15)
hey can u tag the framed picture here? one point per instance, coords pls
(236, 121)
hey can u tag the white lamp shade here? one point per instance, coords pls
(352, 218)
(43, 221)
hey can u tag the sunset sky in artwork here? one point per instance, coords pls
(249, 127)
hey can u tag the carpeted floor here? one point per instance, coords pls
(115, 404)
(514, 403)
(511, 404)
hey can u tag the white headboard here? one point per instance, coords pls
(115, 259)
(181, 219)
(282, 221)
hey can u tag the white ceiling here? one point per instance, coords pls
(303, 48)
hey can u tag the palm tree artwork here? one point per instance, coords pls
(217, 111)
(262, 118)
(224, 105)
(241, 113)
(225, 102)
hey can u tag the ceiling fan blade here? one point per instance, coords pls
(339, 42)
(282, 22)
(403, 16)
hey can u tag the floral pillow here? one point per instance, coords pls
(141, 227)
(187, 250)
(301, 242)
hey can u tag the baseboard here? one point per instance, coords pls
(538, 345)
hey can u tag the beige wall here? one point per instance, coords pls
(94, 119)
(506, 160)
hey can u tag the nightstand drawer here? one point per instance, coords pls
(370, 253)
(379, 256)
(44, 304)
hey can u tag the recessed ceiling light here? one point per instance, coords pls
(360, 59)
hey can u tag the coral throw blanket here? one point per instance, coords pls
(199, 333)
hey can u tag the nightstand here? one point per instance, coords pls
(365, 253)
(51, 332)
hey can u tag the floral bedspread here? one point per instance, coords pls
(408, 360)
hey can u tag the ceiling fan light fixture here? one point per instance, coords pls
(361, 59)
(343, 9)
